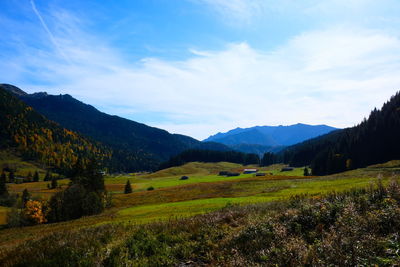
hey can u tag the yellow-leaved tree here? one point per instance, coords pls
(33, 212)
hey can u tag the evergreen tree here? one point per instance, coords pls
(306, 172)
(83, 197)
(54, 183)
(11, 177)
(128, 188)
(29, 177)
(3, 176)
(25, 196)
(47, 177)
(268, 159)
(3, 186)
(36, 177)
(90, 178)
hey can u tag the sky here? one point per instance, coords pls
(198, 67)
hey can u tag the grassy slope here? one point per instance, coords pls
(203, 192)
(9, 159)
(355, 228)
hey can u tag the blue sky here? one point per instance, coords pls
(198, 67)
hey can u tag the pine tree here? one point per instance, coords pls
(3, 186)
(29, 177)
(11, 177)
(54, 183)
(25, 196)
(36, 177)
(47, 177)
(128, 188)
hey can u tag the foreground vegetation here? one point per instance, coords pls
(355, 227)
(163, 219)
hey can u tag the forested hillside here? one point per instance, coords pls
(375, 140)
(135, 146)
(37, 138)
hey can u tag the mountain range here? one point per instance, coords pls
(269, 138)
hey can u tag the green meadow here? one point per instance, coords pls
(203, 192)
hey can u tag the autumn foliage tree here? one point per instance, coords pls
(33, 212)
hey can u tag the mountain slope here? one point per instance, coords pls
(271, 136)
(375, 140)
(39, 139)
(135, 146)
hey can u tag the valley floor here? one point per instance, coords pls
(203, 192)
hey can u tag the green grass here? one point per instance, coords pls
(244, 192)
(203, 192)
(197, 172)
(198, 168)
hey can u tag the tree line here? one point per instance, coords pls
(374, 140)
(85, 195)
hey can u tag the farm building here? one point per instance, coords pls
(247, 171)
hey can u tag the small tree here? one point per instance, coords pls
(47, 177)
(29, 177)
(36, 177)
(11, 176)
(306, 172)
(54, 183)
(128, 188)
(3, 186)
(33, 212)
(25, 197)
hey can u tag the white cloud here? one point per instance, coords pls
(333, 76)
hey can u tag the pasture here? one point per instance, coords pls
(203, 192)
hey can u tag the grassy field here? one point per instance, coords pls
(203, 192)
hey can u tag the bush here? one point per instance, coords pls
(150, 188)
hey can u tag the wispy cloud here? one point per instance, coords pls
(51, 36)
(334, 75)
